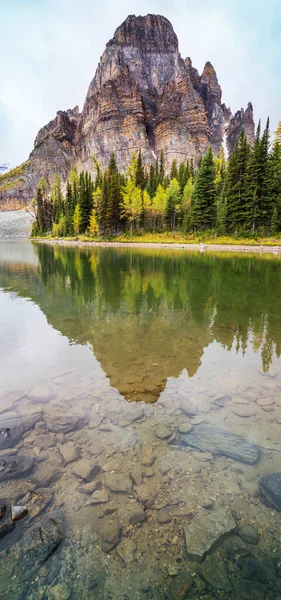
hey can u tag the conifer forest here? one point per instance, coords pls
(239, 196)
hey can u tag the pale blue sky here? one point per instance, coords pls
(50, 49)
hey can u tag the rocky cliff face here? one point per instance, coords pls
(144, 96)
(241, 119)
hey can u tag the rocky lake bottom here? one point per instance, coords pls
(168, 490)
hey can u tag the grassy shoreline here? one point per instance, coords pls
(176, 241)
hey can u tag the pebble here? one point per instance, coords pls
(119, 483)
(148, 471)
(174, 570)
(180, 586)
(85, 469)
(110, 535)
(69, 452)
(162, 432)
(127, 551)
(185, 427)
(137, 516)
(18, 512)
(147, 457)
(197, 420)
(136, 475)
(248, 534)
(241, 411)
(264, 402)
(164, 516)
(60, 591)
(111, 465)
(146, 493)
(203, 456)
(99, 497)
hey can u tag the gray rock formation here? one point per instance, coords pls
(144, 96)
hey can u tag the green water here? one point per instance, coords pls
(138, 347)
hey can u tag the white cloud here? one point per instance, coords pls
(50, 50)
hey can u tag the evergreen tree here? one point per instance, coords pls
(274, 186)
(174, 170)
(258, 201)
(203, 204)
(234, 192)
(140, 175)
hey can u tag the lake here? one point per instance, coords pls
(140, 423)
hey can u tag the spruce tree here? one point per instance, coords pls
(233, 195)
(203, 204)
(140, 175)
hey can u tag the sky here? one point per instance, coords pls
(50, 49)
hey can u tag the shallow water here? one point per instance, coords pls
(121, 358)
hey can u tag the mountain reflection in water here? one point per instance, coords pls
(150, 314)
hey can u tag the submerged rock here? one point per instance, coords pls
(41, 394)
(248, 534)
(127, 551)
(110, 535)
(249, 590)
(255, 570)
(180, 586)
(39, 543)
(18, 512)
(60, 591)
(146, 493)
(85, 469)
(162, 432)
(214, 572)
(119, 483)
(136, 475)
(69, 452)
(138, 515)
(64, 423)
(13, 428)
(99, 497)
(207, 532)
(5, 529)
(12, 467)
(210, 438)
(270, 486)
(35, 501)
(129, 415)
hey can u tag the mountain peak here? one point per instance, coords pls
(152, 32)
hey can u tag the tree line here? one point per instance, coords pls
(239, 196)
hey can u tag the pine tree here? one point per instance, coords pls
(174, 170)
(161, 168)
(233, 195)
(173, 206)
(203, 205)
(257, 183)
(140, 175)
(274, 186)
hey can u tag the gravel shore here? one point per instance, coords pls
(199, 247)
(15, 224)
